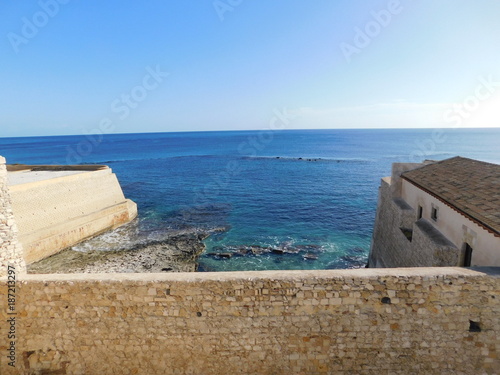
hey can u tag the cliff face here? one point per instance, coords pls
(55, 209)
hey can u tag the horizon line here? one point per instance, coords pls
(246, 130)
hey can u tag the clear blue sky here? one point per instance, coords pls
(68, 68)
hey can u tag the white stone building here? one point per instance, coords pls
(444, 213)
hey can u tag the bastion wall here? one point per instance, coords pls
(53, 214)
(390, 246)
(366, 321)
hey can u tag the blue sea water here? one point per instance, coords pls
(302, 199)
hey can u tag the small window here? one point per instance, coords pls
(434, 213)
(420, 212)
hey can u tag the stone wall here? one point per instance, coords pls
(367, 321)
(400, 240)
(11, 251)
(55, 213)
(389, 246)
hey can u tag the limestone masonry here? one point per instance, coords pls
(56, 209)
(366, 321)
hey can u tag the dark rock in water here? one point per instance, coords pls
(310, 256)
(308, 248)
(278, 251)
(257, 250)
(225, 255)
(286, 247)
(243, 252)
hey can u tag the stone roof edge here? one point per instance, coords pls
(427, 163)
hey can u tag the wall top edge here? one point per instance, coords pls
(61, 179)
(365, 273)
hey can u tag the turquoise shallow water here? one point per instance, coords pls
(289, 199)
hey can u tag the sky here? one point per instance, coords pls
(84, 67)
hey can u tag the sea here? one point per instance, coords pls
(271, 199)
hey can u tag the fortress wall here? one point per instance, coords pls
(428, 247)
(389, 246)
(367, 321)
(56, 213)
(11, 251)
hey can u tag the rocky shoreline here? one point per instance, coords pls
(176, 253)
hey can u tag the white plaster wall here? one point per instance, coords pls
(456, 227)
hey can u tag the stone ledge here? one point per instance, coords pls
(366, 273)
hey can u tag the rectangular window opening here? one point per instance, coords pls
(420, 212)
(434, 213)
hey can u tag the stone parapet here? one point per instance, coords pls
(366, 321)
